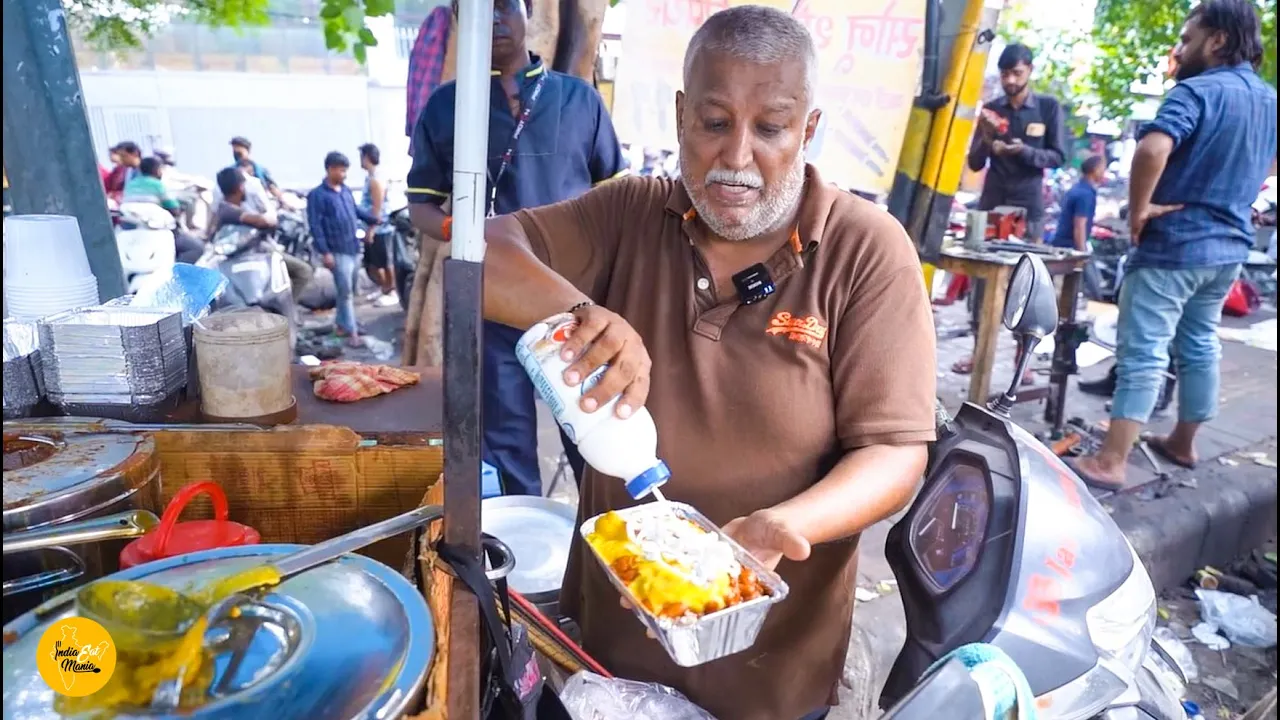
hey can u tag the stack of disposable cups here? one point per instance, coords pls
(46, 270)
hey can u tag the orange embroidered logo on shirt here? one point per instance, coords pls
(808, 330)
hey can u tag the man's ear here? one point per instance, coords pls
(1216, 42)
(679, 114)
(811, 125)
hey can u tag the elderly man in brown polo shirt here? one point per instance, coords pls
(796, 421)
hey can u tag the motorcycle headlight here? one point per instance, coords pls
(1120, 627)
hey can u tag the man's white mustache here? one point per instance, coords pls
(742, 178)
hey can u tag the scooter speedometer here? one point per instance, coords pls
(947, 533)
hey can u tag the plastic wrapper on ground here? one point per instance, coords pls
(588, 696)
(1179, 651)
(1241, 619)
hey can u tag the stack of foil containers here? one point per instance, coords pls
(113, 361)
(23, 374)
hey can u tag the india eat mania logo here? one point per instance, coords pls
(76, 656)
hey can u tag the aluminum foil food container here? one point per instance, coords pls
(712, 636)
(114, 351)
(23, 369)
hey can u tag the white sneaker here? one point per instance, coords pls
(387, 300)
(373, 296)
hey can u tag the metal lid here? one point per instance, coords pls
(350, 639)
(56, 477)
(539, 532)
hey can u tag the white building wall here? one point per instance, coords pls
(292, 119)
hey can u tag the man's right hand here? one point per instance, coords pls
(604, 338)
(1138, 221)
(328, 260)
(986, 128)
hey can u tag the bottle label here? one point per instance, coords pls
(539, 353)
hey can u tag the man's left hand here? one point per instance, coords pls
(769, 536)
(1002, 148)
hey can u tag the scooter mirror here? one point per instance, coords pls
(1031, 312)
(1030, 307)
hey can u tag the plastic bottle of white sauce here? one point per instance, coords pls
(619, 448)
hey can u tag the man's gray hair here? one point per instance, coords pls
(756, 34)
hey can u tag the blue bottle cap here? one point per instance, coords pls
(645, 482)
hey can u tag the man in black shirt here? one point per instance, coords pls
(1018, 137)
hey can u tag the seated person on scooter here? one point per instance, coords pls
(231, 210)
(148, 187)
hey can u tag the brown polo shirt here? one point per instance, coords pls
(754, 404)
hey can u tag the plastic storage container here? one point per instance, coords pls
(243, 360)
(625, 449)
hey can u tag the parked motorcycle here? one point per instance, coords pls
(196, 199)
(255, 272)
(405, 245)
(294, 236)
(145, 240)
(1005, 545)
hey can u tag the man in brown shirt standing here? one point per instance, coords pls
(796, 420)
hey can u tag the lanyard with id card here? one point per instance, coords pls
(510, 154)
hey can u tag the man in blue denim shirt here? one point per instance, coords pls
(1197, 169)
(332, 217)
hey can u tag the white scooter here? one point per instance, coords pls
(145, 240)
(1004, 545)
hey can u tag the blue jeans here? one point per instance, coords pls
(345, 268)
(1162, 308)
(510, 417)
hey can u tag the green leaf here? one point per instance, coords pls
(366, 37)
(353, 16)
(334, 39)
(358, 51)
(331, 10)
(378, 8)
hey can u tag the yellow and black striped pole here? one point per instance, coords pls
(937, 139)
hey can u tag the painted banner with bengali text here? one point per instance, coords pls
(869, 55)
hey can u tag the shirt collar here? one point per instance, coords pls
(816, 200)
(1238, 67)
(532, 70)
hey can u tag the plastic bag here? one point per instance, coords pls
(1179, 651)
(588, 696)
(1242, 620)
(186, 288)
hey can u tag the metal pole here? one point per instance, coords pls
(471, 118)
(47, 143)
(463, 327)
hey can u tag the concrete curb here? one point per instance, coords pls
(1226, 516)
